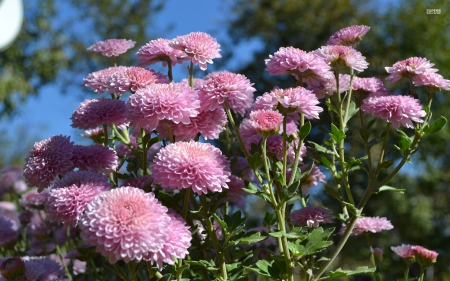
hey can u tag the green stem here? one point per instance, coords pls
(144, 153)
(169, 71)
(383, 148)
(153, 272)
(120, 272)
(132, 271)
(191, 75)
(105, 132)
(407, 271)
(349, 96)
(266, 165)
(284, 148)
(298, 151)
(236, 131)
(187, 193)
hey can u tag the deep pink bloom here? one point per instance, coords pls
(134, 78)
(342, 56)
(99, 81)
(369, 224)
(158, 50)
(191, 164)
(94, 113)
(266, 122)
(432, 81)
(78, 178)
(404, 251)
(298, 99)
(311, 216)
(199, 46)
(302, 65)
(424, 256)
(9, 231)
(369, 86)
(176, 102)
(409, 68)
(48, 159)
(125, 223)
(95, 158)
(33, 200)
(112, 47)
(398, 110)
(348, 36)
(224, 85)
(322, 88)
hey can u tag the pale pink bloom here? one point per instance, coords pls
(176, 102)
(342, 56)
(369, 86)
(432, 81)
(199, 166)
(7, 206)
(94, 113)
(313, 179)
(48, 159)
(9, 232)
(112, 47)
(33, 200)
(125, 223)
(99, 81)
(409, 68)
(311, 216)
(300, 64)
(158, 50)
(199, 46)
(95, 158)
(134, 78)
(323, 88)
(424, 256)
(398, 110)
(369, 224)
(94, 134)
(298, 99)
(12, 268)
(348, 36)
(236, 89)
(404, 251)
(266, 122)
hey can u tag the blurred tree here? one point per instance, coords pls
(399, 30)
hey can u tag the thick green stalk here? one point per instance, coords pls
(132, 271)
(298, 151)
(236, 131)
(169, 71)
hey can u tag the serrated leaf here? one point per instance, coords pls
(247, 238)
(182, 268)
(234, 221)
(255, 161)
(390, 188)
(232, 266)
(304, 130)
(325, 161)
(341, 273)
(320, 148)
(277, 234)
(436, 126)
(336, 134)
(316, 242)
(352, 110)
(262, 267)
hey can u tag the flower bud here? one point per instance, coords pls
(377, 256)
(12, 268)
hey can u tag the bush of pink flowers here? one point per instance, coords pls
(150, 199)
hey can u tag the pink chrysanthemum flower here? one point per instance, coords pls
(369, 86)
(236, 193)
(298, 99)
(424, 256)
(68, 203)
(191, 164)
(404, 251)
(99, 81)
(96, 134)
(12, 180)
(158, 50)
(275, 147)
(199, 46)
(95, 158)
(78, 178)
(135, 78)
(123, 150)
(140, 182)
(313, 179)
(33, 200)
(93, 113)
(176, 102)
(398, 110)
(8, 232)
(242, 169)
(125, 223)
(328, 87)
(348, 36)
(112, 47)
(409, 68)
(48, 159)
(302, 65)
(342, 56)
(266, 122)
(177, 244)
(311, 216)
(369, 224)
(224, 85)
(433, 82)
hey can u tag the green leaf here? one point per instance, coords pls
(333, 192)
(364, 133)
(316, 242)
(436, 126)
(352, 110)
(386, 164)
(234, 221)
(262, 267)
(182, 268)
(255, 161)
(251, 188)
(320, 148)
(336, 134)
(390, 188)
(222, 223)
(304, 130)
(247, 238)
(350, 206)
(331, 106)
(405, 141)
(325, 161)
(341, 273)
(277, 234)
(371, 122)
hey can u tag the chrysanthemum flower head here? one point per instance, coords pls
(323, 88)
(236, 193)
(348, 36)
(369, 86)
(236, 89)
(311, 216)
(158, 50)
(315, 176)
(369, 224)
(78, 178)
(199, 46)
(96, 112)
(424, 256)
(199, 166)
(48, 159)
(266, 122)
(404, 251)
(301, 64)
(433, 82)
(9, 231)
(12, 180)
(112, 47)
(134, 78)
(396, 109)
(95, 158)
(297, 99)
(33, 200)
(409, 68)
(342, 56)
(99, 81)
(96, 134)
(176, 102)
(125, 223)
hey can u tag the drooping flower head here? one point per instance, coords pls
(297, 99)
(404, 251)
(369, 224)
(95, 158)
(199, 46)
(300, 64)
(125, 223)
(112, 47)
(94, 113)
(409, 68)
(348, 36)
(342, 56)
(176, 102)
(311, 216)
(48, 159)
(158, 50)
(424, 256)
(224, 85)
(433, 82)
(398, 110)
(134, 78)
(266, 122)
(191, 164)
(99, 81)
(369, 86)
